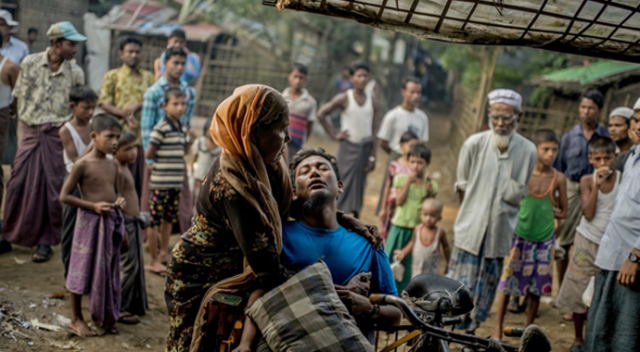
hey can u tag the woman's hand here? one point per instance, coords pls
(360, 284)
(355, 303)
(370, 232)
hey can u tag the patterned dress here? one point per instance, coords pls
(225, 229)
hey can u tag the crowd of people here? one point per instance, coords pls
(102, 172)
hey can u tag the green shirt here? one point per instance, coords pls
(535, 219)
(408, 214)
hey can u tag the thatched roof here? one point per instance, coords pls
(598, 28)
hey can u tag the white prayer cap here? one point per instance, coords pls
(637, 106)
(622, 112)
(505, 96)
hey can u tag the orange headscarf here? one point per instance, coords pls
(242, 165)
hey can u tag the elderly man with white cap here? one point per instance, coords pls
(33, 212)
(619, 128)
(494, 168)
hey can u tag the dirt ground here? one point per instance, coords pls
(26, 287)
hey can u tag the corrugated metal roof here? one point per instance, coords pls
(155, 18)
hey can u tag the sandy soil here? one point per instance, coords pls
(25, 287)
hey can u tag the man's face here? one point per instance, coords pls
(66, 48)
(5, 29)
(32, 37)
(297, 80)
(315, 178)
(130, 55)
(411, 94)
(177, 42)
(618, 128)
(589, 111)
(634, 129)
(503, 118)
(175, 66)
(360, 78)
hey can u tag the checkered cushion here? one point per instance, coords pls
(305, 314)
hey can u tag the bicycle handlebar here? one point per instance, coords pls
(513, 331)
(439, 333)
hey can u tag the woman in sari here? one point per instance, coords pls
(239, 213)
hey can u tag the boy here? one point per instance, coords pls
(528, 270)
(76, 139)
(167, 145)
(302, 109)
(411, 190)
(598, 192)
(134, 292)
(206, 152)
(428, 238)
(99, 232)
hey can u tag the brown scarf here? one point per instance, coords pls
(242, 165)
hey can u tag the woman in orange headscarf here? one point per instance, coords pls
(249, 192)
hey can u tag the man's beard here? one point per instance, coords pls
(502, 141)
(316, 201)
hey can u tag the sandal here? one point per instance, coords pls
(45, 252)
(128, 318)
(568, 317)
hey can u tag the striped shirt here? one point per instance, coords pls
(169, 166)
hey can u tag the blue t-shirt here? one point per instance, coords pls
(345, 253)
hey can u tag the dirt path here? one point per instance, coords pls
(25, 287)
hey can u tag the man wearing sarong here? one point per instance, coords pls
(573, 162)
(122, 94)
(404, 117)
(152, 113)
(9, 72)
(614, 317)
(357, 152)
(33, 212)
(494, 168)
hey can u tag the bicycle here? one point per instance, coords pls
(427, 300)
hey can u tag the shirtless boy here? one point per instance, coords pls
(99, 230)
(134, 292)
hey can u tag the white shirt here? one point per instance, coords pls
(357, 119)
(623, 232)
(494, 185)
(397, 121)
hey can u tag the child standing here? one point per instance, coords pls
(134, 291)
(95, 254)
(528, 270)
(411, 190)
(598, 192)
(396, 167)
(428, 239)
(206, 152)
(167, 145)
(76, 139)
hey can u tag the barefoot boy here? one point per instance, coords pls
(167, 145)
(95, 254)
(134, 292)
(76, 139)
(528, 269)
(598, 192)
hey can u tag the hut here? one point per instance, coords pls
(619, 82)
